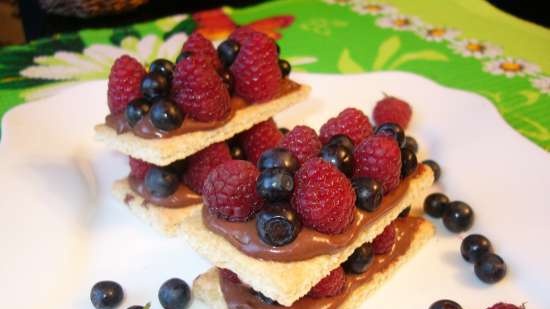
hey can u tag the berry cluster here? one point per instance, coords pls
(449, 304)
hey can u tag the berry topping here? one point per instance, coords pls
(241, 34)
(303, 142)
(350, 122)
(341, 140)
(458, 217)
(124, 83)
(106, 295)
(445, 304)
(474, 246)
(411, 144)
(329, 286)
(200, 91)
(201, 163)
(408, 162)
(278, 158)
(391, 109)
(155, 85)
(435, 204)
(230, 190)
(285, 67)
(275, 185)
(256, 69)
(360, 260)
(379, 158)
(436, 169)
(161, 182)
(174, 294)
(182, 56)
(392, 130)
(166, 115)
(162, 66)
(229, 275)
(323, 197)
(339, 156)
(259, 138)
(505, 306)
(227, 51)
(197, 44)
(138, 168)
(136, 110)
(277, 225)
(383, 243)
(490, 268)
(368, 193)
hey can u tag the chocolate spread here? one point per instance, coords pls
(183, 196)
(239, 296)
(309, 243)
(145, 128)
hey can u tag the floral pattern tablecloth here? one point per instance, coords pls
(435, 39)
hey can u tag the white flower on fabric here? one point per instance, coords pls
(437, 34)
(399, 22)
(476, 49)
(511, 67)
(363, 7)
(338, 2)
(542, 83)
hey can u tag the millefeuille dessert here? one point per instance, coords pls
(174, 120)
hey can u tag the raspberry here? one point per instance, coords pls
(383, 243)
(351, 122)
(391, 109)
(199, 90)
(199, 45)
(303, 142)
(138, 168)
(505, 306)
(230, 190)
(229, 275)
(241, 34)
(201, 163)
(259, 138)
(256, 71)
(323, 197)
(124, 83)
(329, 286)
(379, 158)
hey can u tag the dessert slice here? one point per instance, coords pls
(346, 287)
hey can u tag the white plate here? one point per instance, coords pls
(61, 231)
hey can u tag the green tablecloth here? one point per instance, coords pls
(465, 44)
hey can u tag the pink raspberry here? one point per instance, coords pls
(391, 109)
(200, 164)
(331, 285)
(302, 142)
(350, 122)
(383, 243)
(505, 306)
(259, 138)
(138, 168)
(124, 83)
(199, 45)
(379, 158)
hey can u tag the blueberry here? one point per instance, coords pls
(227, 51)
(277, 224)
(228, 81)
(436, 169)
(136, 110)
(174, 294)
(490, 268)
(275, 184)
(342, 140)
(155, 85)
(392, 130)
(161, 182)
(474, 246)
(263, 298)
(445, 304)
(435, 204)
(182, 56)
(410, 143)
(408, 162)
(137, 307)
(162, 66)
(458, 217)
(284, 131)
(339, 156)
(368, 193)
(237, 152)
(166, 115)
(278, 157)
(106, 295)
(360, 260)
(405, 212)
(285, 67)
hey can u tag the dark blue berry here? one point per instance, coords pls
(339, 156)
(237, 152)
(228, 81)
(278, 157)
(277, 224)
(174, 294)
(405, 212)
(263, 298)
(285, 67)
(410, 143)
(445, 304)
(458, 217)
(474, 246)
(368, 193)
(435, 204)
(436, 169)
(275, 184)
(135, 307)
(155, 85)
(360, 260)
(182, 56)
(228, 51)
(106, 295)
(284, 131)
(136, 110)
(408, 162)
(166, 115)
(342, 140)
(162, 66)
(392, 130)
(161, 182)
(490, 268)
